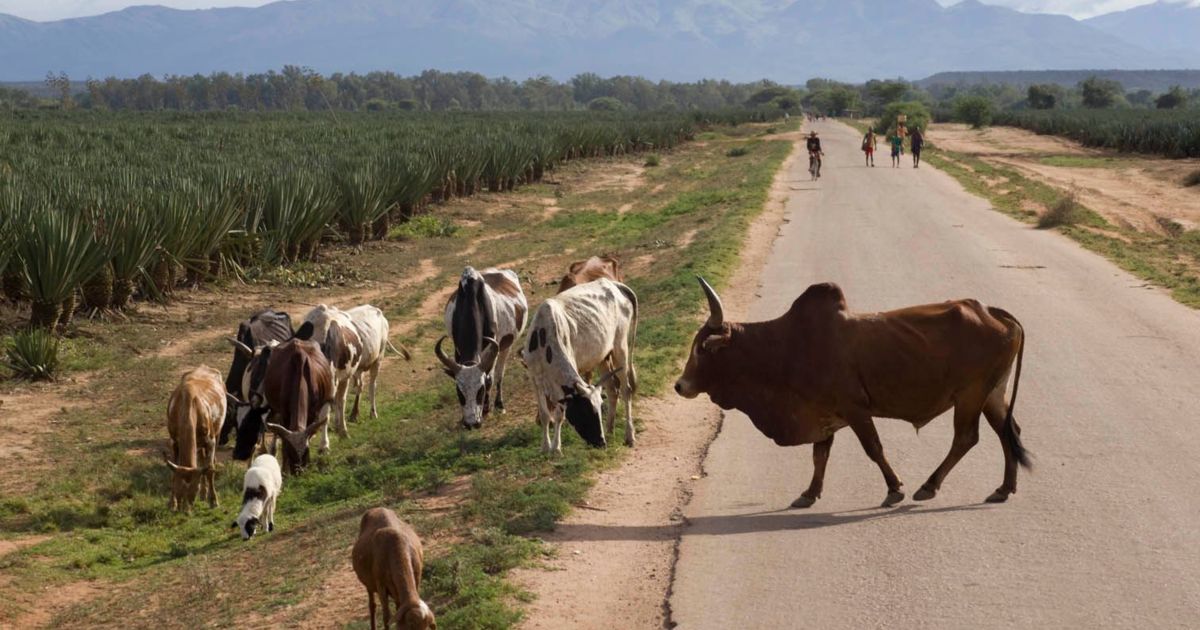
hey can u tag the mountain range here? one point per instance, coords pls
(784, 40)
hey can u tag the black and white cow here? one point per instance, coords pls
(572, 334)
(263, 328)
(484, 317)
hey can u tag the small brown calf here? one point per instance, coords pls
(194, 417)
(387, 559)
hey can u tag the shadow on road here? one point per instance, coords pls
(778, 520)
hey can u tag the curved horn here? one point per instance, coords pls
(173, 466)
(716, 312)
(608, 377)
(451, 366)
(278, 430)
(491, 349)
(241, 348)
(312, 429)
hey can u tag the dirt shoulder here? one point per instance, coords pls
(1128, 190)
(614, 555)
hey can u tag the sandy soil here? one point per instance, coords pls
(625, 536)
(1129, 190)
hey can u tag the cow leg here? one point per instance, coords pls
(544, 419)
(371, 607)
(628, 388)
(501, 360)
(357, 394)
(211, 474)
(820, 458)
(612, 391)
(864, 427)
(559, 418)
(996, 412)
(966, 436)
(343, 389)
(374, 381)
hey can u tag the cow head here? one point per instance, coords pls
(248, 414)
(252, 423)
(295, 444)
(185, 483)
(417, 617)
(583, 407)
(713, 337)
(473, 381)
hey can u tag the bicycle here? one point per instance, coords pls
(814, 164)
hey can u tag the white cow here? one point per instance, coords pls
(341, 344)
(373, 331)
(572, 334)
(484, 317)
(260, 489)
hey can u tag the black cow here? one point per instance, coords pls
(261, 329)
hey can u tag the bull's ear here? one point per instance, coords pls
(716, 342)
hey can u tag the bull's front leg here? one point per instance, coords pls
(864, 427)
(501, 360)
(820, 458)
(210, 474)
(544, 419)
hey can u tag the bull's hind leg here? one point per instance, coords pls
(864, 427)
(820, 458)
(501, 361)
(966, 436)
(628, 389)
(996, 411)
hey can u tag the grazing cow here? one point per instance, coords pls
(263, 328)
(373, 330)
(484, 317)
(260, 489)
(388, 560)
(297, 387)
(819, 368)
(594, 268)
(342, 345)
(194, 417)
(572, 334)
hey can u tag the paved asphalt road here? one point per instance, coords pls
(1105, 531)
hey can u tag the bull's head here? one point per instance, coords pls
(295, 444)
(417, 616)
(473, 381)
(185, 483)
(712, 337)
(583, 406)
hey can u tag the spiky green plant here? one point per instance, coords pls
(59, 252)
(32, 354)
(364, 197)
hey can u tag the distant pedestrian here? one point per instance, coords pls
(897, 142)
(869, 144)
(916, 143)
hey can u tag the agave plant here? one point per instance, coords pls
(58, 252)
(33, 354)
(364, 197)
(296, 210)
(134, 236)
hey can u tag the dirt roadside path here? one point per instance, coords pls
(614, 556)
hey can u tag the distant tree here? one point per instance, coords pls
(1043, 96)
(1100, 93)
(916, 111)
(606, 104)
(1174, 98)
(842, 98)
(882, 93)
(974, 110)
(766, 95)
(61, 85)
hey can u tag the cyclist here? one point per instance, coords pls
(814, 154)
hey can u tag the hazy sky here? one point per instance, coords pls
(57, 9)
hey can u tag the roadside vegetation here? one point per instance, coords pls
(87, 510)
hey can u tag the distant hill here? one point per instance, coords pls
(1153, 80)
(785, 40)
(1166, 27)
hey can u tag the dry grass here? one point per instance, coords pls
(1065, 211)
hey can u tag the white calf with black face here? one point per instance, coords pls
(260, 489)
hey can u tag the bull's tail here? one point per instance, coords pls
(402, 351)
(632, 374)
(1012, 432)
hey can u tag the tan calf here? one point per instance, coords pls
(388, 560)
(194, 417)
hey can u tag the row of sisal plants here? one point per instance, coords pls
(1170, 133)
(97, 209)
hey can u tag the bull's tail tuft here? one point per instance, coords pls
(1012, 432)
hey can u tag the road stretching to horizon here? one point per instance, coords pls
(1105, 531)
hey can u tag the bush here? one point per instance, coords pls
(1065, 211)
(652, 161)
(918, 116)
(973, 110)
(737, 152)
(606, 104)
(1192, 179)
(33, 355)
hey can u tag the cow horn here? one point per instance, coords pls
(451, 366)
(608, 377)
(278, 430)
(173, 466)
(716, 312)
(491, 349)
(241, 348)
(311, 429)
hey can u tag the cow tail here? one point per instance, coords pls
(1012, 432)
(632, 335)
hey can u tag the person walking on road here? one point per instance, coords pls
(916, 143)
(897, 142)
(869, 144)
(814, 155)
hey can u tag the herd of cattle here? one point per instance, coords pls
(800, 378)
(288, 384)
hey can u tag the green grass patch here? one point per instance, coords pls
(424, 226)
(1081, 161)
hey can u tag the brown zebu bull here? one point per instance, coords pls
(297, 387)
(594, 268)
(819, 368)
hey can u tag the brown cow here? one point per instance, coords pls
(388, 560)
(194, 417)
(591, 269)
(819, 368)
(297, 387)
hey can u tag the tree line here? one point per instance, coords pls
(297, 89)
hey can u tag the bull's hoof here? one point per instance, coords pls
(893, 498)
(924, 494)
(629, 442)
(804, 502)
(999, 496)
(323, 449)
